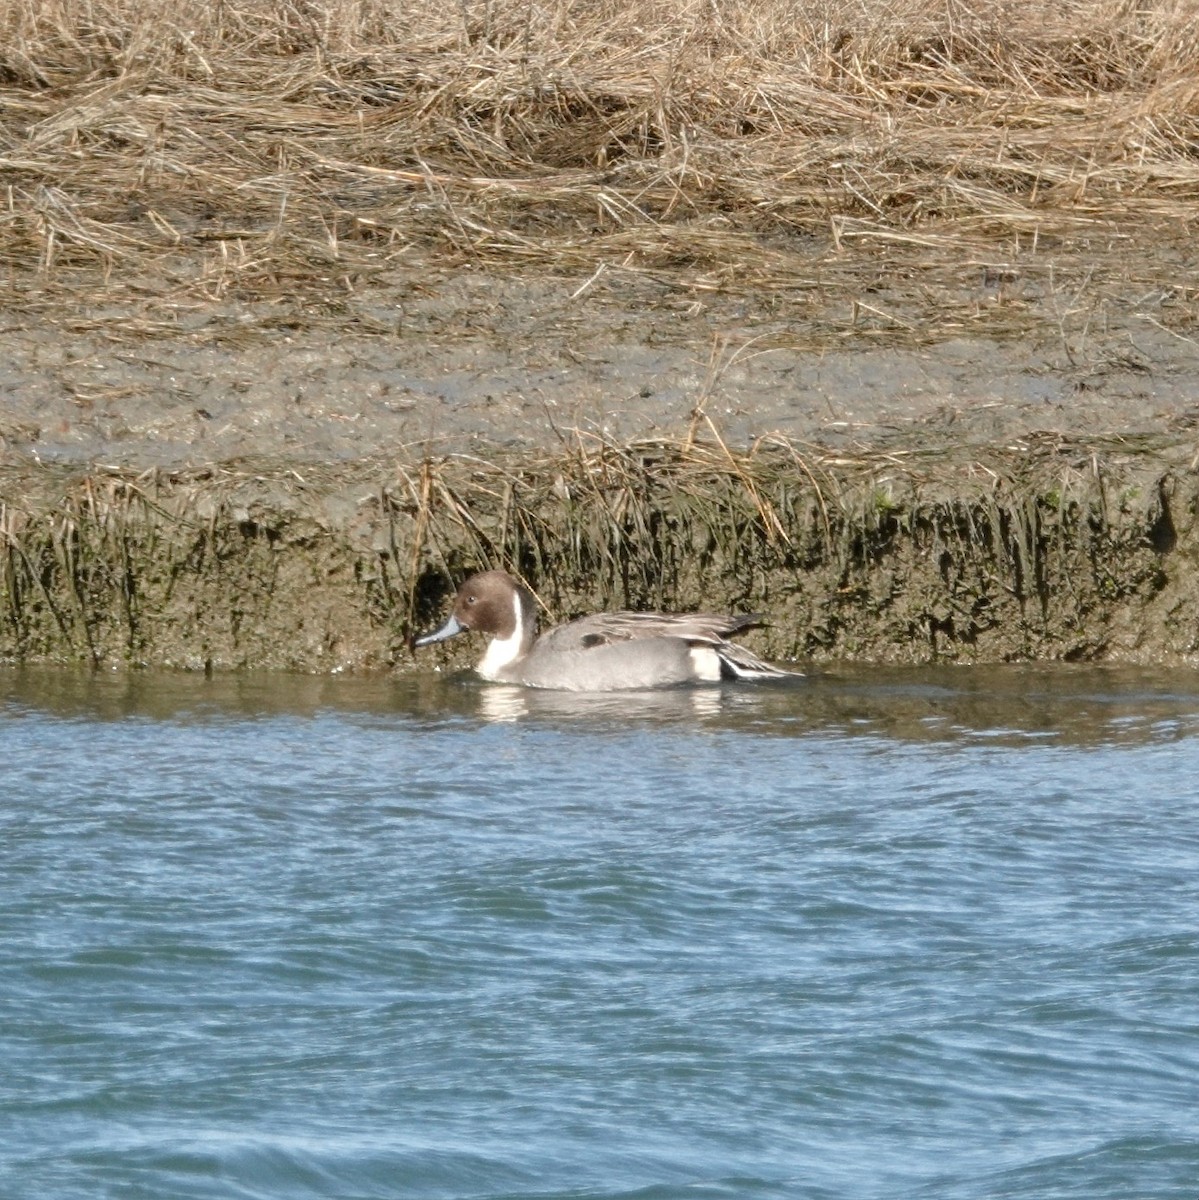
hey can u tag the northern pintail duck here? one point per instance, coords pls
(601, 653)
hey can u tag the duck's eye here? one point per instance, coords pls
(470, 599)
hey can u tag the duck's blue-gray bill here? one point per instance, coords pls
(448, 630)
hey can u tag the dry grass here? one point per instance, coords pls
(250, 149)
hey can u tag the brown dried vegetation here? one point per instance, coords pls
(264, 148)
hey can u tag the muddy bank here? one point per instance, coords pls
(1049, 549)
(431, 361)
(230, 490)
(886, 324)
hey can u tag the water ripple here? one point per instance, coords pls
(866, 938)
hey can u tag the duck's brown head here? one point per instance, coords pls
(491, 602)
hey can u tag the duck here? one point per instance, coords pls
(603, 652)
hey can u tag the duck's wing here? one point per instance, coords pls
(697, 629)
(603, 629)
(738, 663)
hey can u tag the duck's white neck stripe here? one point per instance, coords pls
(501, 652)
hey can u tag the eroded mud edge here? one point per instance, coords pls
(1045, 550)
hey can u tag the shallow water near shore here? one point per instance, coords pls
(920, 933)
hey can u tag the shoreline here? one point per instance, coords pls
(1047, 549)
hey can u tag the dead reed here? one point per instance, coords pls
(260, 149)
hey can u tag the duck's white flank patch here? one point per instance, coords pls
(501, 652)
(706, 664)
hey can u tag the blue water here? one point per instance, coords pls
(890, 935)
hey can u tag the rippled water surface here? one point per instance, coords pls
(874, 935)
